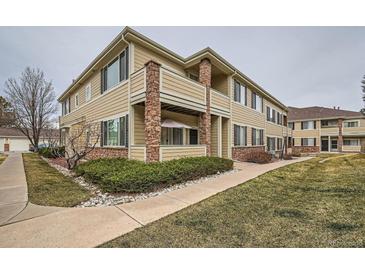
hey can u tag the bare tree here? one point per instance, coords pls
(6, 113)
(33, 101)
(363, 91)
(80, 142)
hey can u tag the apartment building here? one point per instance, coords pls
(320, 129)
(151, 104)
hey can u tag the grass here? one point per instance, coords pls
(48, 187)
(306, 204)
(2, 157)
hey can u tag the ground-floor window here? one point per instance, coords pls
(193, 136)
(114, 132)
(240, 135)
(257, 137)
(270, 143)
(308, 142)
(172, 136)
(351, 142)
(279, 144)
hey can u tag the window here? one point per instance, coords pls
(240, 93)
(309, 125)
(308, 142)
(193, 136)
(279, 144)
(172, 136)
(115, 132)
(279, 118)
(256, 102)
(240, 135)
(291, 125)
(351, 142)
(272, 115)
(115, 72)
(76, 100)
(88, 92)
(257, 137)
(193, 77)
(66, 106)
(351, 124)
(270, 144)
(329, 123)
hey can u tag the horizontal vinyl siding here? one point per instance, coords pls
(173, 152)
(137, 153)
(138, 81)
(108, 104)
(276, 130)
(247, 116)
(351, 148)
(139, 125)
(179, 87)
(143, 55)
(219, 101)
(225, 146)
(214, 135)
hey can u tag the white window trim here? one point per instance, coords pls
(350, 121)
(77, 100)
(309, 128)
(88, 91)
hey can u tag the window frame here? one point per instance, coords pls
(122, 132)
(77, 100)
(260, 137)
(313, 122)
(240, 90)
(307, 139)
(351, 121)
(238, 140)
(254, 96)
(171, 136)
(352, 145)
(88, 92)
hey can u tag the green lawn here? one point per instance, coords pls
(48, 187)
(307, 204)
(2, 158)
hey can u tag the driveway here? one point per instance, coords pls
(38, 226)
(13, 187)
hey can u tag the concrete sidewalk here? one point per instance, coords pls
(89, 227)
(13, 187)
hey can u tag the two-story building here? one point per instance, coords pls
(320, 129)
(151, 104)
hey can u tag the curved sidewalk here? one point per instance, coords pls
(38, 226)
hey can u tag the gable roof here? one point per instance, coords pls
(129, 34)
(320, 113)
(14, 132)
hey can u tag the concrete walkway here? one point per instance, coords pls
(88, 227)
(13, 187)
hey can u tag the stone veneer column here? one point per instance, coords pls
(340, 137)
(205, 74)
(152, 113)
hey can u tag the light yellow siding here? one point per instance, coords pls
(247, 116)
(176, 152)
(143, 55)
(351, 148)
(111, 103)
(139, 125)
(138, 153)
(214, 135)
(225, 146)
(219, 102)
(138, 81)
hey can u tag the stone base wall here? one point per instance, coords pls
(243, 153)
(305, 149)
(102, 152)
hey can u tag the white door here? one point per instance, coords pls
(19, 144)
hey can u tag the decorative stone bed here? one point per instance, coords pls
(100, 199)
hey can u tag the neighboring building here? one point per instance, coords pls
(316, 129)
(152, 104)
(12, 139)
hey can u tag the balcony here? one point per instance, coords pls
(220, 103)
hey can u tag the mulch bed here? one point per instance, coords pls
(61, 161)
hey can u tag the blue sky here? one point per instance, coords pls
(301, 66)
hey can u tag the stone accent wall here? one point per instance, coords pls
(305, 149)
(104, 152)
(152, 115)
(340, 137)
(243, 153)
(205, 74)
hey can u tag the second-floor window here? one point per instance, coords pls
(240, 93)
(291, 125)
(351, 124)
(115, 72)
(240, 135)
(256, 102)
(257, 137)
(309, 125)
(66, 106)
(76, 100)
(270, 114)
(329, 123)
(88, 92)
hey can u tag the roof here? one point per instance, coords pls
(320, 113)
(128, 34)
(14, 132)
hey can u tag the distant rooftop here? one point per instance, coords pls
(320, 113)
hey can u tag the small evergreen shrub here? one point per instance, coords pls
(52, 152)
(131, 176)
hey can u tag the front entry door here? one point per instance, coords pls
(324, 145)
(6, 147)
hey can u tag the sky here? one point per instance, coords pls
(301, 66)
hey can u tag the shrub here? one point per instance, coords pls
(122, 175)
(259, 157)
(287, 157)
(52, 152)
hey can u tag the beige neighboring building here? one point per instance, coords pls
(320, 129)
(151, 104)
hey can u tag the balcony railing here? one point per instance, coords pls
(220, 103)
